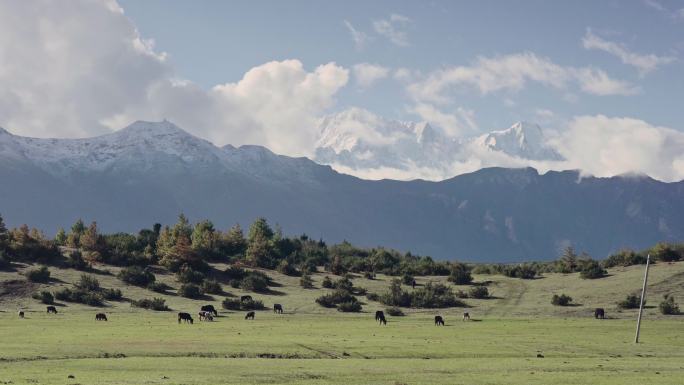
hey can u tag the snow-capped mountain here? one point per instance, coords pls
(522, 140)
(356, 141)
(150, 172)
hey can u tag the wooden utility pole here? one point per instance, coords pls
(643, 297)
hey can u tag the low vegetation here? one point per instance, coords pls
(561, 300)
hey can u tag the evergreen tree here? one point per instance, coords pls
(204, 237)
(234, 242)
(61, 237)
(91, 240)
(4, 235)
(74, 237)
(568, 261)
(260, 244)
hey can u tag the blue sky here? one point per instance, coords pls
(213, 42)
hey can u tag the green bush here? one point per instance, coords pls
(338, 296)
(394, 311)
(327, 283)
(5, 261)
(44, 297)
(190, 290)
(158, 287)
(460, 274)
(80, 296)
(479, 292)
(211, 286)
(349, 307)
(592, 270)
(624, 258)
(251, 304)
(231, 304)
(286, 268)
(235, 272)
(88, 283)
(631, 302)
(158, 304)
(665, 252)
(255, 281)
(668, 306)
(188, 275)
(373, 296)
(561, 300)
(407, 279)
(75, 261)
(306, 282)
(136, 275)
(40, 275)
(434, 296)
(112, 294)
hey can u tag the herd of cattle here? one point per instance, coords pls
(208, 312)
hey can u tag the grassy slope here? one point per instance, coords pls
(315, 345)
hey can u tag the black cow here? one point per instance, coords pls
(380, 316)
(184, 317)
(100, 317)
(51, 309)
(439, 320)
(245, 298)
(599, 313)
(278, 308)
(21, 314)
(466, 316)
(250, 315)
(210, 309)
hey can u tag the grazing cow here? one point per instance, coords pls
(278, 308)
(380, 317)
(245, 298)
(439, 320)
(21, 314)
(205, 316)
(51, 309)
(184, 317)
(250, 315)
(599, 313)
(100, 317)
(466, 316)
(210, 309)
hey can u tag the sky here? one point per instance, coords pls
(607, 76)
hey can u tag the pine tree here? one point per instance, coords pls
(568, 261)
(260, 244)
(234, 241)
(61, 237)
(91, 240)
(204, 237)
(4, 235)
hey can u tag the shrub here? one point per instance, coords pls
(479, 292)
(624, 258)
(88, 283)
(631, 302)
(343, 284)
(231, 304)
(235, 272)
(79, 295)
(158, 287)
(187, 275)
(251, 304)
(349, 307)
(592, 270)
(373, 296)
(327, 283)
(5, 261)
(75, 261)
(234, 283)
(211, 286)
(434, 296)
(461, 294)
(44, 297)
(394, 311)
(136, 275)
(255, 281)
(460, 274)
(286, 268)
(524, 271)
(665, 252)
(561, 300)
(668, 306)
(41, 275)
(112, 294)
(306, 282)
(369, 275)
(158, 304)
(407, 279)
(190, 290)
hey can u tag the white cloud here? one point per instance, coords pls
(605, 146)
(366, 74)
(513, 72)
(393, 29)
(643, 63)
(360, 38)
(59, 78)
(676, 14)
(459, 123)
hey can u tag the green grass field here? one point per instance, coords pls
(312, 345)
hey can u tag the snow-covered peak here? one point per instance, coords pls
(523, 140)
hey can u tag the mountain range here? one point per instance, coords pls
(152, 171)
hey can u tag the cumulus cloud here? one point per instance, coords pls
(513, 72)
(393, 29)
(643, 63)
(605, 146)
(366, 74)
(81, 68)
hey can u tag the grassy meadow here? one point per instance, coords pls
(517, 337)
